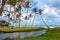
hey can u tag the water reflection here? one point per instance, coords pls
(22, 34)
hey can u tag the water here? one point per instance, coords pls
(21, 34)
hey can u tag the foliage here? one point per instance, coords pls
(20, 5)
(4, 23)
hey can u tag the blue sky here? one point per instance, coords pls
(50, 13)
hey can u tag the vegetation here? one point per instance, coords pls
(12, 39)
(53, 34)
(4, 23)
(18, 6)
(8, 29)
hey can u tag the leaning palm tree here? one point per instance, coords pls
(30, 16)
(34, 10)
(26, 18)
(40, 13)
(26, 5)
(18, 17)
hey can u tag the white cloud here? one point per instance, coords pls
(47, 9)
(51, 11)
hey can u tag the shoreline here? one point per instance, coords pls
(20, 29)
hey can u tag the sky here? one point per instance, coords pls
(50, 13)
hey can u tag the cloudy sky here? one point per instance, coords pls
(50, 13)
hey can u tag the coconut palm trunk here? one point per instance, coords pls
(26, 18)
(34, 10)
(40, 13)
(33, 19)
(19, 23)
(45, 23)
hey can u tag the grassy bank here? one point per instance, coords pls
(19, 29)
(54, 34)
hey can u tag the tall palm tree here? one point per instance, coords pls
(40, 13)
(30, 16)
(26, 18)
(26, 5)
(34, 10)
(18, 16)
(1, 9)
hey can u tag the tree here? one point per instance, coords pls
(20, 5)
(26, 18)
(35, 11)
(40, 13)
(4, 23)
(18, 17)
(1, 9)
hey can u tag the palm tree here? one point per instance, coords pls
(12, 2)
(1, 9)
(30, 16)
(18, 17)
(26, 5)
(40, 13)
(34, 10)
(26, 18)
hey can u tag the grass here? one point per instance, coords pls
(19, 29)
(53, 34)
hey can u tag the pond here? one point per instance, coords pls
(21, 34)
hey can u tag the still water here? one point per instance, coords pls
(21, 34)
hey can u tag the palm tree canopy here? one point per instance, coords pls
(40, 11)
(35, 10)
(20, 0)
(26, 18)
(10, 18)
(30, 15)
(26, 5)
(18, 15)
(8, 15)
(19, 8)
(12, 2)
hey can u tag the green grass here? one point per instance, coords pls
(19, 29)
(12, 39)
(53, 34)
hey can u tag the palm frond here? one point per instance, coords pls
(40, 11)
(35, 10)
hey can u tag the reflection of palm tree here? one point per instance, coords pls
(40, 12)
